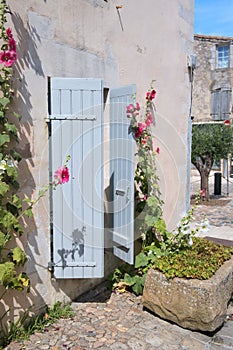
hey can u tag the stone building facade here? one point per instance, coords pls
(213, 78)
(95, 41)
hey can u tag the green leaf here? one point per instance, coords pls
(11, 128)
(7, 273)
(17, 115)
(150, 220)
(10, 222)
(3, 188)
(19, 257)
(28, 212)
(4, 139)
(24, 280)
(11, 171)
(3, 239)
(137, 287)
(8, 69)
(129, 280)
(141, 260)
(16, 200)
(4, 101)
(16, 155)
(14, 183)
(160, 226)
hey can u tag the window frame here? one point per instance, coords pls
(224, 57)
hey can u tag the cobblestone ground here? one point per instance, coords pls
(219, 213)
(119, 322)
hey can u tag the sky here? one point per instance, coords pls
(213, 17)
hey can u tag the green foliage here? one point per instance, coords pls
(136, 282)
(213, 139)
(11, 275)
(141, 260)
(7, 274)
(25, 326)
(210, 142)
(18, 256)
(200, 261)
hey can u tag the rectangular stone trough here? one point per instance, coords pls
(190, 303)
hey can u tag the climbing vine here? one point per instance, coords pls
(10, 202)
(13, 208)
(147, 194)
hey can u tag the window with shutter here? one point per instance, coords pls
(220, 104)
(77, 206)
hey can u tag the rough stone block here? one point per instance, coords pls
(193, 304)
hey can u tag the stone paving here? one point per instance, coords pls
(119, 322)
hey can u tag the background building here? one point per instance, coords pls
(213, 78)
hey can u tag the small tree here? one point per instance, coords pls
(210, 142)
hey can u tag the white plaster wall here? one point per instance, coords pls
(145, 40)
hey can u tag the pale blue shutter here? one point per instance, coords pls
(225, 103)
(122, 154)
(215, 104)
(77, 206)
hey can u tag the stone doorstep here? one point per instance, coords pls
(193, 304)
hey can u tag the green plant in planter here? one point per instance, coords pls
(201, 260)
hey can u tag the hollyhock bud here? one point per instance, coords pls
(150, 95)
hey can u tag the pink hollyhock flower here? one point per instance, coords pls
(149, 120)
(227, 122)
(11, 44)
(140, 129)
(61, 175)
(8, 58)
(158, 150)
(137, 106)
(150, 95)
(130, 108)
(9, 33)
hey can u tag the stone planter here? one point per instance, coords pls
(193, 304)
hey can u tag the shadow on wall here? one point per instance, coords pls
(17, 302)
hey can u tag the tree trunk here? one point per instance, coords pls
(205, 184)
(204, 165)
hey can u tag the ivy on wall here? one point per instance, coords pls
(10, 203)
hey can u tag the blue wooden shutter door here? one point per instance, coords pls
(122, 154)
(77, 206)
